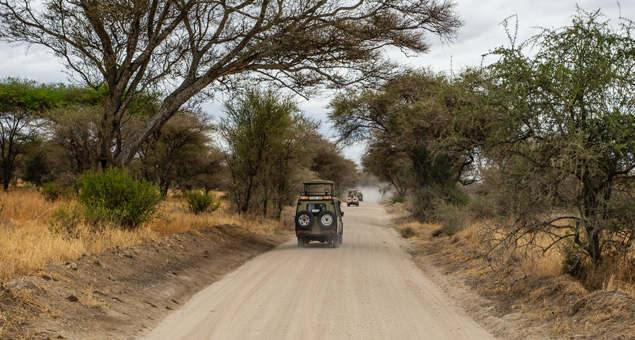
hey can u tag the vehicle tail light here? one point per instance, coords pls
(300, 232)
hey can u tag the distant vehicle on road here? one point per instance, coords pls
(318, 215)
(352, 200)
(354, 197)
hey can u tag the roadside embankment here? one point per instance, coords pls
(513, 295)
(118, 292)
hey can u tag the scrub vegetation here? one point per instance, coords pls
(533, 152)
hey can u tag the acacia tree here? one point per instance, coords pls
(178, 151)
(255, 133)
(564, 142)
(405, 123)
(23, 104)
(394, 168)
(127, 48)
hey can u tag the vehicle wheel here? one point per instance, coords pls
(300, 243)
(341, 238)
(304, 219)
(336, 241)
(306, 241)
(348, 204)
(326, 219)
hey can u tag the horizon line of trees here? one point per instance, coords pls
(259, 152)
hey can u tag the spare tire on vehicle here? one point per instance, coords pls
(327, 219)
(304, 219)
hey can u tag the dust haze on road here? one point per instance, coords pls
(369, 288)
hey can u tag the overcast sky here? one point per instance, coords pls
(482, 32)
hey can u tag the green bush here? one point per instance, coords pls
(397, 199)
(573, 262)
(65, 220)
(423, 203)
(53, 191)
(113, 196)
(197, 202)
(451, 217)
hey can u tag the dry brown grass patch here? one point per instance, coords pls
(27, 244)
(528, 280)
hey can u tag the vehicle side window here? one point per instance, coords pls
(316, 208)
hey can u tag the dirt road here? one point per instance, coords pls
(367, 289)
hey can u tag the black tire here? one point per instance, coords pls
(336, 241)
(326, 219)
(300, 243)
(304, 220)
(348, 204)
(340, 239)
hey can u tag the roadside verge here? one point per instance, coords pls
(119, 292)
(508, 299)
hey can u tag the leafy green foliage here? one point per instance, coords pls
(268, 143)
(398, 199)
(113, 196)
(328, 163)
(573, 262)
(28, 96)
(37, 169)
(198, 202)
(453, 218)
(406, 124)
(23, 104)
(53, 191)
(180, 154)
(564, 141)
(65, 220)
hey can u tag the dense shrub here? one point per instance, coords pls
(113, 196)
(397, 199)
(426, 202)
(451, 217)
(423, 203)
(53, 191)
(65, 220)
(197, 202)
(573, 259)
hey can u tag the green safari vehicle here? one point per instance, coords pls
(319, 214)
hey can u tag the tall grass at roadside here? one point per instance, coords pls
(27, 244)
(532, 261)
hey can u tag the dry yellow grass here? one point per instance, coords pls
(420, 230)
(531, 260)
(26, 244)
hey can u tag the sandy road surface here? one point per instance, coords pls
(367, 289)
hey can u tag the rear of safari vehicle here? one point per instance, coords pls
(318, 215)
